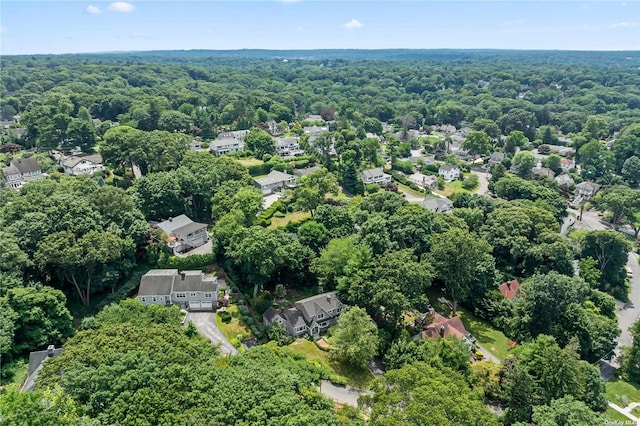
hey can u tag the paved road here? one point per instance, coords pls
(343, 394)
(483, 179)
(206, 323)
(626, 317)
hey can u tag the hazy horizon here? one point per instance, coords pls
(60, 27)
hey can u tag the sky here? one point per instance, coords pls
(52, 27)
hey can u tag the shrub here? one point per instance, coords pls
(225, 317)
(262, 305)
(338, 380)
(250, 321)
(243, 310)
(195, 261)
(255, 330)
(278, 214)
(259, 169)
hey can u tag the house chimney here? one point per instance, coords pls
(442, 331)
(328, 298)
(50, 350)
(509, 285)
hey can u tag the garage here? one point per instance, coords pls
(206, 305)
(194, 305)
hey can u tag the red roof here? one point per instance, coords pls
(510, 289)
(442, 327)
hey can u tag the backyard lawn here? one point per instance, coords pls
(291, 217)
(356, 377)
(489, 337)
(617, 388)
(410, 191)
(247, 162)
(453, 187)
(234, 327)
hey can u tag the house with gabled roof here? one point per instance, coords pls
(275, 181)
(36, 361)
(191, 290)
(449, 172)
(21, 171)
(510, 290)
(184, 234)
(437, 204)
(308, 316)
(375, 176)
(76, 165)
(435, 326)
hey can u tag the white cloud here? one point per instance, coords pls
(353, 24)
(120, 6)
(92, 10)
(625, 24)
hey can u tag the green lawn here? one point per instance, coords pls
(291, 217)
(489, 337)
(247, 162)
(616, 388)
(454, 187)
(356, 377)
(615, 417)
(410, 191)
(235, 327)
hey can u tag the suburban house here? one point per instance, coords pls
(449, 173)
(226, 146)
(435, 326)
(543, 172)
(36, 361)
(189, 289)
(306, 171)
(184, 234)
(275, 181)
(21, 171)
(75, 165)
(195, 145)
(565, 181)
(563, 151)
(567, 164)
(586, 190)
(316, 130)
(307, 316)
(375, 176)
(496, 157)
(237, 134)
(288, 147)
(510, 289)
(424, 181)
(438, 204)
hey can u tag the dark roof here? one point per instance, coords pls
(25, 165)
(194, 281)
(294, 318)
(36, 360)
(189, 228)
(157, 282)
(270, 314)
(447, 167)
(325, 301)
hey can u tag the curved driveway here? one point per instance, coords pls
(206, 324)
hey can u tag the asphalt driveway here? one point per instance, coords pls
(206, 324)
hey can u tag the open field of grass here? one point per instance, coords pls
(616, 418)
(454, 187)
(291, 217)
(234, 327)
(250, 162)
(617, 388)
(356, 377)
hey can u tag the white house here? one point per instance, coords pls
(21, 171)
(226, 146)
(424, 181)
(189, 289)
(184, 234)
(76, 165)
(567, 164)
(449, 173)
(236, 134)
(288, 147)
(275, 181)
(307, 316)
(316, 130)
(375, 176)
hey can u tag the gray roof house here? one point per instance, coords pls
(21, 171)
(184, 234)
(288, 147)
(496, 157)
(306, 171)
(36, 361)
(449, 172)
(375, 176)
(586, 189)
(189, 289)
(564, 180)
(275, 181)
(438, 204)
(424, 181)
(75, 165)
(226, 146)
(307, 316)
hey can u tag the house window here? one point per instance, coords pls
(142, 299)
(193, 295)
(153, 298)
(324, 324)
(320, 315)
(300, 329)
(207, 295)
(181, 295)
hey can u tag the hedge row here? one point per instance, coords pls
(194, 261)
(403, 180)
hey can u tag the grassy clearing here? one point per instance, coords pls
(356, 377)
(454, 187)
(617, 388)
(235, 326)
(489, 337)
(615, 417)
(247, 162)
(410, 191)
(291, 217)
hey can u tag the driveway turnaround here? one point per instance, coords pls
(206, 324)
